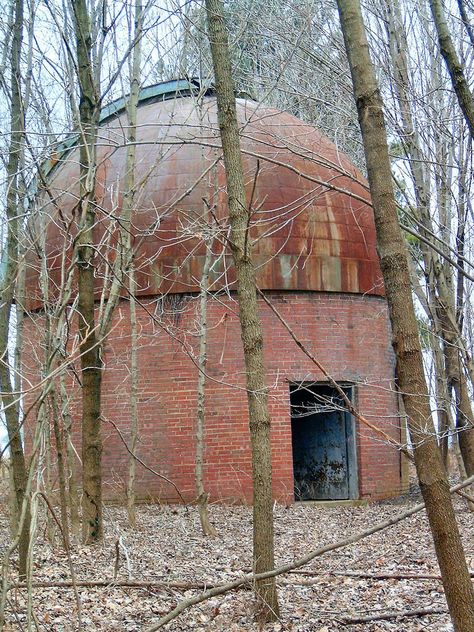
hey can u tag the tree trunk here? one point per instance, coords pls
(134, 369)
(453, 64)
(125, 255)
(411, 379)
(92, 528)
(43, 420)
(12, 502)
(202, 496)
(251, 328)
(7, 290)
(457, 382)
(59, 440)
(71, 458)
(465, 21)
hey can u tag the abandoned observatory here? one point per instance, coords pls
(314, 248)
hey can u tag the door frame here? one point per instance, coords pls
(350, 431)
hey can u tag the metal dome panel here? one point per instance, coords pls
(311, 222)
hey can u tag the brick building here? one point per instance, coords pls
(314, 248)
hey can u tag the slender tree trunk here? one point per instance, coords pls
(453, 64)
(14, 518)
(11, 408)
(202, 496)
(394, 262)
(92, 528)
(125, 255)
(52, 415)
(442, 398)
(251, 328)
(73, 493)
(458, 383)
(134, 369)
(43, 420)
(465, 20)
(59, 440)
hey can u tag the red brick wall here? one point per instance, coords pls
(349, 334)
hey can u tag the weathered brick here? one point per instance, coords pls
(349, 335)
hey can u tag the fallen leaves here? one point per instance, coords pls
(168, 547)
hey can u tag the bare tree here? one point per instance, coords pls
(453, 63)
(465, 20)
(202, 496)
(441, 289)
(126, 252)
(89, 108)
(290, 56)
(14, 213)
(411, 380)
(251, 328)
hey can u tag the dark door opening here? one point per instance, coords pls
(323, 442)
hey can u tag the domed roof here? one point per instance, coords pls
(311, 223)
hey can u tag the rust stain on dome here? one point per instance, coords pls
(311, 223)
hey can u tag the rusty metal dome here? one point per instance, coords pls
(311, 222)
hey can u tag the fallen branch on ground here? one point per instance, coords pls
(383, 616)
(365, 575)
(180, 585)
(115, 584)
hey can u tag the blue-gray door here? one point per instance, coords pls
(321, 441)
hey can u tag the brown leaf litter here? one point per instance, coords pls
(390, 572)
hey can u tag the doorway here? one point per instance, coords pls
(323, 442)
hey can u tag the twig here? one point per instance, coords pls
(15, 614)
(147, 467)
(117, 559)
(350, 407)
(69, 559)
(302, 561)
(466, 496)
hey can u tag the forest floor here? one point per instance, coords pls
(167, 546)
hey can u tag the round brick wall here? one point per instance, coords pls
(348, 333)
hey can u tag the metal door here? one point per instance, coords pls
(320, 444)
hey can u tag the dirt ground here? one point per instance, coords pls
(167, 546)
